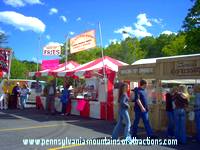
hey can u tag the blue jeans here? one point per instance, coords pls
(23, 101)
(145, 118)
(180, 125)
(64, 106)
(123, 114)
(197, 120)
(170, 129)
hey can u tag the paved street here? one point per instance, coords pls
(16, 125)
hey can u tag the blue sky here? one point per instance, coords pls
(24, 21)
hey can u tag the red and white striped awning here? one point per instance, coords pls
(95, 65)
(61, 67)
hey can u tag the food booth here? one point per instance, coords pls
(162, 74)
(40, 99)
(94, 93)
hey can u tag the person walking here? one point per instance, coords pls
(181, 102)
(170, 111)
(23, 96)
(197, 110)
(65, 98)
(141, 110)
(50, 92)
(123, 113)
(15, 94)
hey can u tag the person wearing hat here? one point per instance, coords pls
(15, 93)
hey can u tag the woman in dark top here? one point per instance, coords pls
(123, 113)
(170, 111)
(181, 102)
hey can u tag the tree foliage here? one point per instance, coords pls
(20, 69)
(191, 26)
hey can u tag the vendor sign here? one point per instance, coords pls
(50, 50)
(4, 59)
(50, 64)
(83, 42)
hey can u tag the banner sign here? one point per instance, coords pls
(50, 64)
(83, 42)
(50, 50)
(4, 59)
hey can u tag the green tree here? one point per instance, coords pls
(191, 25)
(18, 69)
(161, 41)
(127, 50)
(147, 44)
(176, 47)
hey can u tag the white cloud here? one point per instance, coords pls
(2, 31)
(64, 19)
(158, 21)
(113, 41)
(143, 20)
(71, 33)
(78, 19)
(22, 3)
(106, 46)
(53, 11)
(139, 29)
(48, 37)
(34, 59)
(54, 43)
(21, 22)
(140, 33)
(168, 32)
(128, 31)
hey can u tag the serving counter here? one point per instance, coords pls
(80, 106)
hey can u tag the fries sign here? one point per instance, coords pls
(83, 42)
(51, 50)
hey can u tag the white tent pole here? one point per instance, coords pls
(102, 53)
(66, 51)
(39, 44)
(104, 72)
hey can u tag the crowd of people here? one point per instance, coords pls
(20, 95)
(177, 101)
(50, 93)
(140, 108)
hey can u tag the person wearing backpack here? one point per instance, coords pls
(141, 110)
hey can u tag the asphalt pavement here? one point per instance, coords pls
(19, 127)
